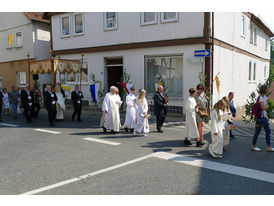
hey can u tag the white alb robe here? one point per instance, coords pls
(226, 132)
(60, 105)
(130, 120)
(191, 130)
(217, 126)
(112, 117)
(142, 125)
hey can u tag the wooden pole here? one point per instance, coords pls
(51, 67)
(81, 72)
(28, 55)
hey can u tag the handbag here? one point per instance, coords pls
(202, 112)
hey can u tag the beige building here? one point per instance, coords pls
(22, 34)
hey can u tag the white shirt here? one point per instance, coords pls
(264, 100)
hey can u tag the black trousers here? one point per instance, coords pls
(28, 113)
(0, 111)
(35, 109)
(77, 110)
(160, 119)
(51, 114)
(230, 123)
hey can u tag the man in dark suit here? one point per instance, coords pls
(27, 102)
(76, 97)
(50, 100)
(160, 106)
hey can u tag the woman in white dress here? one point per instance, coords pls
(130, 120)
(218, 119)
(142, 126)
(60, 104)
(6, 102)
(191, 125)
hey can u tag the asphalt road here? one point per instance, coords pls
(63, 162)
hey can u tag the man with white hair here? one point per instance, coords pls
(110, 107)
(160, 105)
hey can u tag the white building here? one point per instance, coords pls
(22, 33)
(146, 44)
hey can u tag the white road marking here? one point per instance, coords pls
(101, 141)
(32, 192)
(47, 131)
(226, 168)
(8, 125)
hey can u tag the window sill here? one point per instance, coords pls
(79, 34)
(65, 36)
(169, 21)
(110, 29)
(148, 24)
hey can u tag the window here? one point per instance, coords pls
(250, 71)
(148, 18)
(251, 33)
(22, 78)
(78, 24)
(19, 39)
(110, 21)
(65, 25)
(255, 36)
(243, 26)
(169, 16)
(254, 71)
(9, 40)
(171, 70)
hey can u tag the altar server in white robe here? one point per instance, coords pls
(218, 118)
(119, 102)
(191, 130)
(60, 104)
(142, 126)
(110, 107)
(131, 101)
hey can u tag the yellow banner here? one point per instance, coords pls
(218, 84)
(10, 39)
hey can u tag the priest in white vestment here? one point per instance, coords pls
(60, 104)
(191, 130)
(110, 107)
(131, 101)
(142, 126)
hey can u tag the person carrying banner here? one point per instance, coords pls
(50, 100)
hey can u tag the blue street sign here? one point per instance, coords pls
(202, 53)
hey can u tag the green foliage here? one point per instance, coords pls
(124, 79)
(270, 110)
(101, 91)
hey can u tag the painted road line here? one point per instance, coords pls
(8, 125)
(47, 131)
(101, 141)
(221, 167)
(32, 192)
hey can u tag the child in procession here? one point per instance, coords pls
(218, 119)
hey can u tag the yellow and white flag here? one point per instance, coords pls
(10, 40)
(218, 84)
(66, 87)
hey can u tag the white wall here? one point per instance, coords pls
(228, 29)
(234, 70)
(135, 65)
(15, 22)
(129, 30)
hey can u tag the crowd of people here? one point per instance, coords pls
(136, 120)
(137, 116)
(30, 100)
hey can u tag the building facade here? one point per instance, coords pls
(22, 34)
(149, 45)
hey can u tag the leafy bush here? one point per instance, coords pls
(270, 108)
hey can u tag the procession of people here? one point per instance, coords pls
(197, 112)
